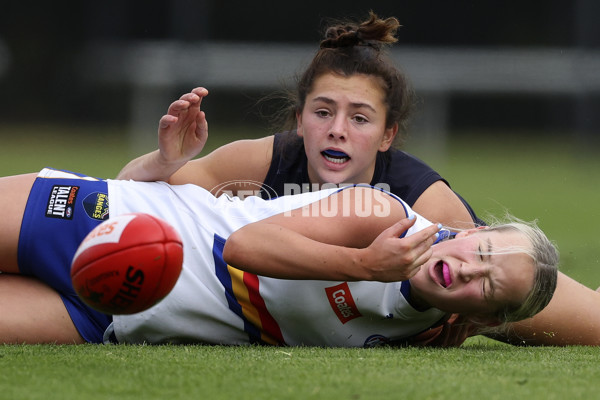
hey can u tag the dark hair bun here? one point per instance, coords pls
(374, 32)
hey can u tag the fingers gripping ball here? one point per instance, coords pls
(127, 264)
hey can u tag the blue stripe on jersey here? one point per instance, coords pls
(224, 277)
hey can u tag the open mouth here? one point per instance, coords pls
(442, 274)
(334, 156)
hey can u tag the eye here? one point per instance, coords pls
(483, 291)
(360, 119)
(322, 113)
(483, 285)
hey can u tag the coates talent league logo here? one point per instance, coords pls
(61, 202)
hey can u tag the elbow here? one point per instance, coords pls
(232, 250)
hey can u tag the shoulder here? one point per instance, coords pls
(398, 157)
(406, 175)
(264, 144)
(441, 204)
(241, 160)
(247, 159)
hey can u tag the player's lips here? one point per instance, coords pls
(335, 156)
(441, 274)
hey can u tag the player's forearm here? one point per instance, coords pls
(284, 254)
(148, 168)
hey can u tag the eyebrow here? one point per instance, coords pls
(354, 105)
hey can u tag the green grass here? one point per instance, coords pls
(477, 371)
(531, 178)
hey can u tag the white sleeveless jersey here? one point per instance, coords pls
(218, 304)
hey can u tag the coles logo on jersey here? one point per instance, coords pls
(341, 301)
(61, 203)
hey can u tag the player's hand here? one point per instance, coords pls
(183, 131)
(391, 258)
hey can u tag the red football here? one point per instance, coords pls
(127, 264)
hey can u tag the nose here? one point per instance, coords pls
(467, 272)
(338, 129)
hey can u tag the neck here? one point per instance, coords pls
(416, 300)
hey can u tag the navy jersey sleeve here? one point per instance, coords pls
(408, 177)
(288, 165)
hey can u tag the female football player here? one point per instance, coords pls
(350, 105)
(326, 268)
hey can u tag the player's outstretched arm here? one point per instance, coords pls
(348, 244)
(571, 318)
(182, 134)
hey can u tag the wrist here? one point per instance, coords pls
(162, 166)
(360, 269)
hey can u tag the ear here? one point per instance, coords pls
(468, 232)
(299, 129)
(388, 138)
